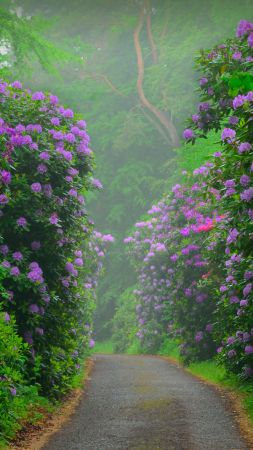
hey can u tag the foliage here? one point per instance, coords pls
(124, 321)
(16, 397)
(22, 45)
(45, 170)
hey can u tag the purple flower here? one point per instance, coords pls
(53, 219)
(35, 275)
(47, 190)
(3, 199)
(17, 256)
(91, 343)
(231, 353)
(17, 85)
(228, 134)
(248, 349)
(13, 391)
(69, 267)
(199, 336)
(68, 113)
(45, 156)
(237, 56)
(35, 245)
(72, 193)
(5, 176)
(79, 262)
(248, 275)
(55, 121)
(247, 194)
(244, 147)
(7, 317)
(33, 308)
(209, 327)
(244, 180)
(53, 99)
(38, 96)
(96, 183)
(223, 288)
(233, 234)
(6, 264)
(229, 183)
(15, 271)
(250, 40)
(81, 123)
(42, 168)
(244, 27)
(247, 289)
(36, 187)
(203, 81)
(244, 303)
(195, 117)
(233, 120)
(188, 134)
(204, 106)
(21, 222)
(4, 249)
(69, 137)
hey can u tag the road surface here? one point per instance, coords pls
(147, 403)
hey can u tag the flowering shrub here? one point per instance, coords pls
(227, 89)
(169, 250)
(45, 253)
(194, 256)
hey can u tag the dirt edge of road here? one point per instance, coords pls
(34, 437)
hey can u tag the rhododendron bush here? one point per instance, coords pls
(195, 265)
(49, 253)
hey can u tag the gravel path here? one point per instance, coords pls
(145, 403)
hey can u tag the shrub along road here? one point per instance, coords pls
(146, 403)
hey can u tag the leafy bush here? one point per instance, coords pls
(194, 255)
(14, 392)
(124, 321)
(45, 233)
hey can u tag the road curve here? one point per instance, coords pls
(146, 403)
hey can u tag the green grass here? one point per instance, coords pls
(134, 348)
(170, 348)
(104, 347)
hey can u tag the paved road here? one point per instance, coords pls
(145, 403)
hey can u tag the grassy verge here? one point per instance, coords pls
(33, 412)
(104, 347)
